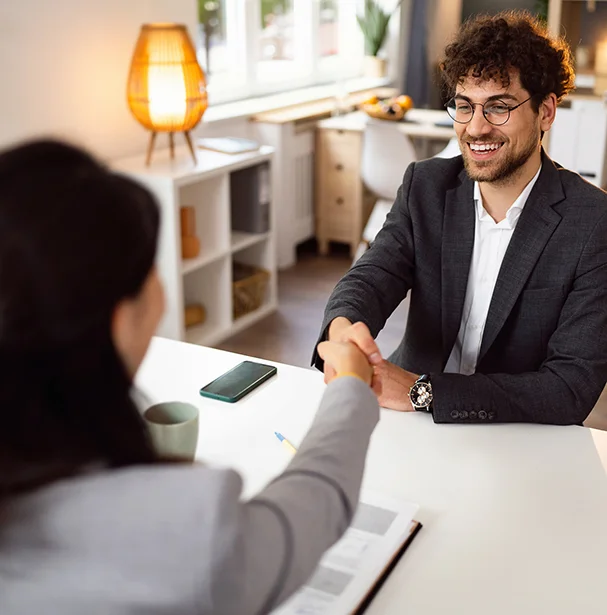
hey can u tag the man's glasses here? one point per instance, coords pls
(496, 112)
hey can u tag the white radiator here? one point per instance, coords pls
(304, 197)
(293, 185)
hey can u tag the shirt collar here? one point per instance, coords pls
(513, 214)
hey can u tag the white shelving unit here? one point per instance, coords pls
(206, 279)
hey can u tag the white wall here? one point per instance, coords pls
(64, 66)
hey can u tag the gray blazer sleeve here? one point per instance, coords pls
(264, 549)
(381, 278)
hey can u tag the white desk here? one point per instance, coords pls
(342, 204)
(419, 123)
(515, 516)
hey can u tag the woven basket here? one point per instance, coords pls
(249, 286)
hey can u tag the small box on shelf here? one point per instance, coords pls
(250, 199)
(190, 244)
(194, 314)
(206, 216)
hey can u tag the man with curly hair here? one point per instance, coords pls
(504, 252)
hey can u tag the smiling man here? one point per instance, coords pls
(503, 251)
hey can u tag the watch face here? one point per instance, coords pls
(421, 394)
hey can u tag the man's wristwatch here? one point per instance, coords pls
(420, 394)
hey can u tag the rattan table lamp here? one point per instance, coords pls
(166, 90)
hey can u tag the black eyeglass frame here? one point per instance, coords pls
(482, 105)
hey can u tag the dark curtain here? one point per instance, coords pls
(417, 77)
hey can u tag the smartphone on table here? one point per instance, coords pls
(240, 380)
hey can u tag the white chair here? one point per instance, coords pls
(451, 150)
(386, 155)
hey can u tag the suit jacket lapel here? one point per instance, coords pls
(535, 226)
(459, 219)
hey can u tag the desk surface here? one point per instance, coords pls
(515, 516)
(420, 123)
(318, 109)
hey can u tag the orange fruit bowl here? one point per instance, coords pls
(385, 112)
(406, 102)
(388, 109)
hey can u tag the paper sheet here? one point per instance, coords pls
(352, 566)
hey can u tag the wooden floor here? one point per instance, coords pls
(289, 334)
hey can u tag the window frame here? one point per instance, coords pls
(243, 80)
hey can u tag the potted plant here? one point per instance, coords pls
(374, 25)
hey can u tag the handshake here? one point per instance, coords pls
(351, 349)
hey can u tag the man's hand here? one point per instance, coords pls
(391, 384)
(342, 330)
(345, 357)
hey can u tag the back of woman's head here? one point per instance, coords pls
(75, 240)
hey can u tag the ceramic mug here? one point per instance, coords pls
(173, 427)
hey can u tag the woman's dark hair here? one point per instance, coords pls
(488, 47)
(75, 239)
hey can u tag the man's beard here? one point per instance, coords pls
(508, 167)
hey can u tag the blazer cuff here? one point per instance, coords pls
(458, 399)
(317, 362)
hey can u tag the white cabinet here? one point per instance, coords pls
(578, 139)
(206, 279)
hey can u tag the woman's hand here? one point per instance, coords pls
(342, 330)
(345, 358)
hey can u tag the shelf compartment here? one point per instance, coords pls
(210, 286)
(211, 202)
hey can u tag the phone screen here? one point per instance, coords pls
(239, 381)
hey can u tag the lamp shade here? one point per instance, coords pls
(166, 90)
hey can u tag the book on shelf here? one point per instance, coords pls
(228, 145)
(352, 571)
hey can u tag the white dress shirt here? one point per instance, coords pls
(491, 240)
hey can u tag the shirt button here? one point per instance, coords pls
(482, 415)
(491, 415)
(473, 414)
(463, 414)
(454, 414)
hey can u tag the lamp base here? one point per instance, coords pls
(153, 134)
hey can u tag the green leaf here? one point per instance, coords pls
(374, 25)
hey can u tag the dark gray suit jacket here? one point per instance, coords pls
(543, 356)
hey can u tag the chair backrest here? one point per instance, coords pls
(451, 150)
(386, 155)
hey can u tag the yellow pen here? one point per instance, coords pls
(285, 443)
